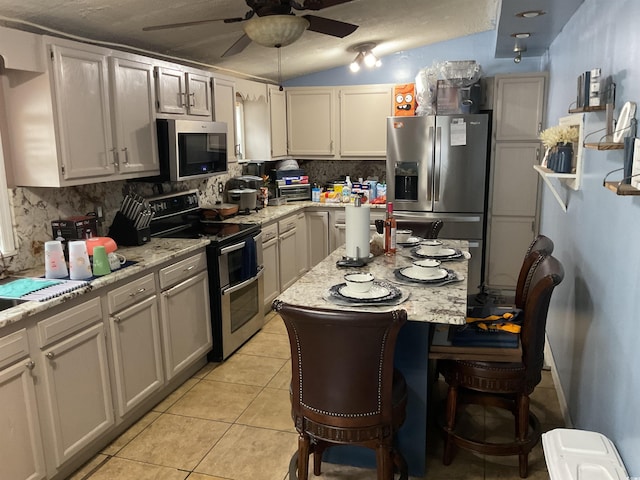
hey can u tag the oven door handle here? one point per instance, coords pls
(235, 288)
(232, 248)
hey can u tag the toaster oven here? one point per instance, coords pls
(292, 193)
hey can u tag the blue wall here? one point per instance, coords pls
(593, 327)
(594, 317)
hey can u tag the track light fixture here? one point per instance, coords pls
(364, 57)
(518, 49)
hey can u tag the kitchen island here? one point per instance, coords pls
(425, 305)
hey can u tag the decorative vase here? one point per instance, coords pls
(553, 158)
(565, 157)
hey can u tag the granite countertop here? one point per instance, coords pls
(437, 304)
(149, 255)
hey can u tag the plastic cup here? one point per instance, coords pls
(54, 263)
(79, 265)
(100, 261)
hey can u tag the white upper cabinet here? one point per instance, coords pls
(81, 93)
(339, 122)
(363, 120)
(278, 121)
(183, 93)
(88, 118)
(311, 121)
(520, 107)
(224, 101)
(134, 116)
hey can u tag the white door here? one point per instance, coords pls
(363, 120)
(78, 393)
(170, 90)
(278, 120)
(137, 353)
(515, 182)
(302, 244)
(310, 121)
(224, 93)
(186, 323)
(509, 240)
(81, 88)
(520, 107)
(198, 95)
(318, 236)
(134, 116)
(21, 454)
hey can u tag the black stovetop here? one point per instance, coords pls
(215, 231)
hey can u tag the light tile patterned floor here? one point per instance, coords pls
(231, 421)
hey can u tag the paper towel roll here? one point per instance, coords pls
(357, 232)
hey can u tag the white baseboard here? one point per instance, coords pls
(549, 360)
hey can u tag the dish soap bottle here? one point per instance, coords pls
(390, 226)
(346, 191)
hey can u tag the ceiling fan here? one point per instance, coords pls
(272, 23)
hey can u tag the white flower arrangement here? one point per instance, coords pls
(559, 134)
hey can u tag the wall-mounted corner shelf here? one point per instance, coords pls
(572, 180)
(605, 145)
(601, 108)
(621, 188)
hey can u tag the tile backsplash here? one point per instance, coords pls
(35, 208)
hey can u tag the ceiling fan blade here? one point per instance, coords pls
(240, 44)
(329, 26)
(320, 4)
(186, 24)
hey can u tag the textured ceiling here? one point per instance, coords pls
(394, 25)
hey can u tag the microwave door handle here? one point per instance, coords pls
(235, 288)
(437, 165)
(232, 248)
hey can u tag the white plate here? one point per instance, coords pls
(376, 291)
(443, 252)
(417, 274)
(624, 121)
(411, 241)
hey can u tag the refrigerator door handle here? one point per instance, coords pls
(431, 168)
(437, 164)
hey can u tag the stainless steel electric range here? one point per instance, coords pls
(235, 265)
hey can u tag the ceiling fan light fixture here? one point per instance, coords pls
(370, 59)
(364, 57)
(275, 30)
(357, 63)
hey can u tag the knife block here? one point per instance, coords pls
(123, 231)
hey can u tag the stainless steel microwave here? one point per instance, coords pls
(190, 149)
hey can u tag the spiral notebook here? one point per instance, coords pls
(39, 289)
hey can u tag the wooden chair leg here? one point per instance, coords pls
(303, 457)
(450, 415)
(318, 450)
(384, 462)
(400, 465)
(522, 429)
(523, 464)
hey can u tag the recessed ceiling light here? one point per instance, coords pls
(521, 35)
(530, 14)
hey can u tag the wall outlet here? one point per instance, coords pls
(220, 188)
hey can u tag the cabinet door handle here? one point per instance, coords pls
(116, 319)
(189, 268)
(30, 365)
(192, 99)
(137, 292)
(126, 155)
(182, 99)
(116, 162)
(50, 355)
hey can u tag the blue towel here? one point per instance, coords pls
(249, 260)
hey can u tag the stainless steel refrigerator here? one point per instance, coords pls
(437, 169)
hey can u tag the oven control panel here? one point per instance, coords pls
(174, 203)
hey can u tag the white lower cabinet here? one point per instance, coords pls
(21, 454)
(271, 264)
(287, 245)
(77, 390)
(302, 244)
(185, 316)
(509, 239)
(317, 236)
(135, 342)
